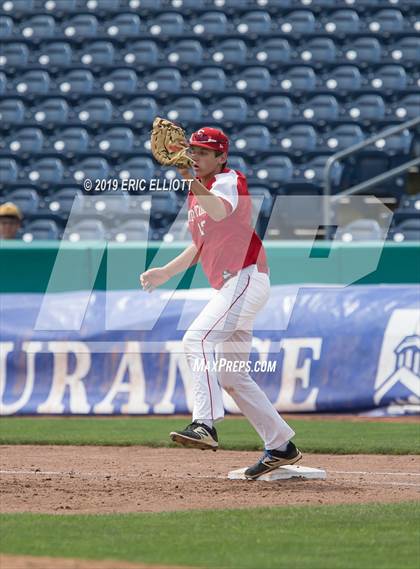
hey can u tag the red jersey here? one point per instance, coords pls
(229, 245)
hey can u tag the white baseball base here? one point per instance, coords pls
(283, 473)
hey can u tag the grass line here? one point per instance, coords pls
(337, 437)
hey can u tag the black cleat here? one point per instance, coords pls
(196, 435)
(272, 459)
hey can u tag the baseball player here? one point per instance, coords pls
(234, 261)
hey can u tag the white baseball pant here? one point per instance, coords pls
(224, 330)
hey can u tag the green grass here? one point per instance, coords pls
(330, 436)
(330, 537)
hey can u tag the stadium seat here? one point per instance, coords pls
(297, 80)
(164, 81)
(274, 110)
(104, 5)
(274, 51)
(57, 54)
(230, 51)
(189, 5)
(46, 171)
(343, 136)
(152, 5)
(120, 81)
(320, 109)
(299, 139)
(40, 229)
(273, 170)
(26, 140)
(123, 26)
(18, 6)
(397, 144)
(14, 54)
(184, 53)
(381, 157)
(81, 26)
(167, 24)
(255, 23)
(116, 141)
(318, 51)
(230, 110)
(360, 230)
(312, 172)
(345, 78)
(72, 140)
(274, 5)
(12, 111)
(98, 110)
(8, 171)
(94, 168)
(177, 231)
(407, 108)
(409, 208)
(185, 109)
(408, 230)
(208, 80)
(389, 78)
(238, 163)
(364, 50)
(61, 201)
(145, 52)
(64, 6)
(78, 81)
(51, 111)
(38, 27)
(98, 53)
(139, 110)
(367, 108)
(32, 83)
(210, 24)
(112, 205)
(26, 199)
(132, 230)
(6, 27)
(406, 51)
(164, 206)
(388, 20)
(297, 215)
(252, 140)
(88, 229)
(297, 22)
(141, 168)
(253, 80)
(342, 22)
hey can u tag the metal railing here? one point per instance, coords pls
(328, 200)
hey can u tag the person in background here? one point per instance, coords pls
(10, 220)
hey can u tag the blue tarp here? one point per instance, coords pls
(351, 349)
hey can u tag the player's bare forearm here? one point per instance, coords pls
(183, 261)
(212, 205)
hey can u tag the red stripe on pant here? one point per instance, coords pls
(202, 346)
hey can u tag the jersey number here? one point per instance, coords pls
(201, 226)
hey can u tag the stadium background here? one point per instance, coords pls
(291, 84)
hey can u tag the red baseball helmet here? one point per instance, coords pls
(212, 138)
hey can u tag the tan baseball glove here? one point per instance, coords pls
(169, 144)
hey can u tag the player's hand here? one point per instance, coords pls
(153, 278)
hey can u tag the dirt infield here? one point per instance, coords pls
(84, 479)
(28, 562)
